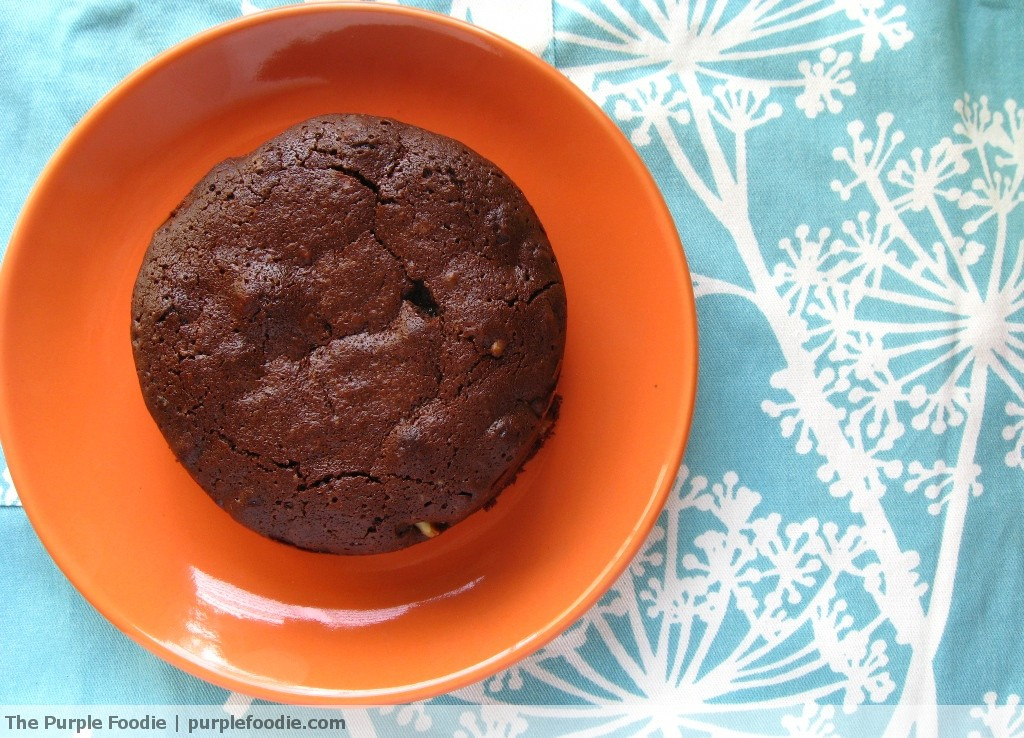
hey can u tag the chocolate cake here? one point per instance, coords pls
(351, 336)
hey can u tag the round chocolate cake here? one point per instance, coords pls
(351, 336)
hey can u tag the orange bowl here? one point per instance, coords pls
(149, 549)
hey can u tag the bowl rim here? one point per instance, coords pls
(222, 675)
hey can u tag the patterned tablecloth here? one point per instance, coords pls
(847, 531)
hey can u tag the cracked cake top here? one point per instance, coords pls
(351, 336)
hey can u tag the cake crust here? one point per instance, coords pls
(356, 328)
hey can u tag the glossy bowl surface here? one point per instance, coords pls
(150, 550)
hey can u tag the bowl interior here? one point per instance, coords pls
(146, 546)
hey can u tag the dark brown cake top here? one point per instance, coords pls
(356, 328)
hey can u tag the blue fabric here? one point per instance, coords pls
(846, 176)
